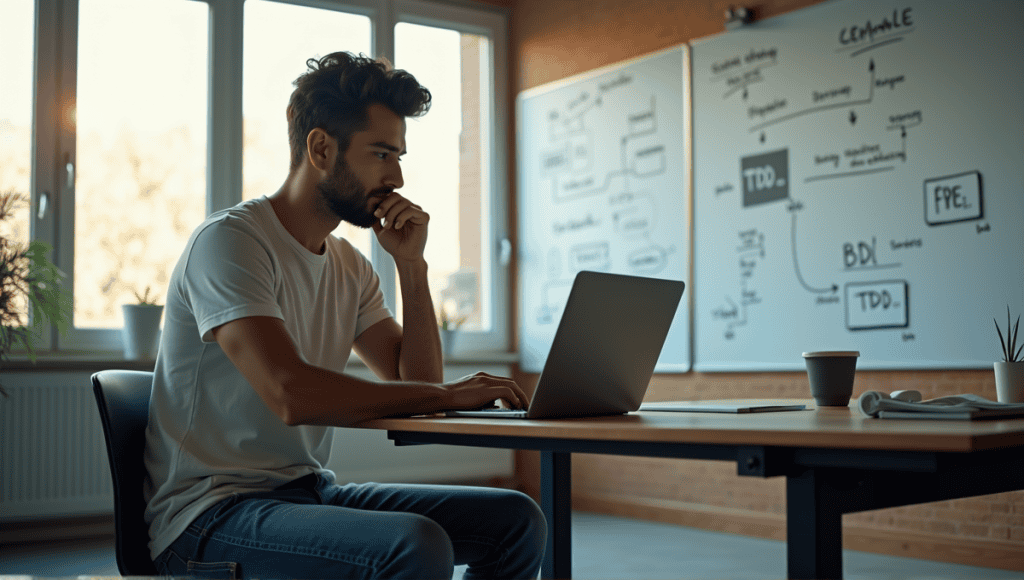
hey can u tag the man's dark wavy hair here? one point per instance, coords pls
(335, 92)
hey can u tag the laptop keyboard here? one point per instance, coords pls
(496, 413)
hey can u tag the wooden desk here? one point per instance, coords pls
(835, 461)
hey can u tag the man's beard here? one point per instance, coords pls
(345, 197)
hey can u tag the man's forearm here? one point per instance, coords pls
(420, 356)
(316, 396)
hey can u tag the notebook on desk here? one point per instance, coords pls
(605, 348)
(724, 406)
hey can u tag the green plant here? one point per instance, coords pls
(27, 278)
(1009, 344)
(144, 297)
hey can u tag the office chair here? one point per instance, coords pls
(123, 401)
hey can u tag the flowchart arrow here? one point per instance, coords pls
(793, 208)
(800, 113)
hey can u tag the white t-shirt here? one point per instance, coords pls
(210, 434)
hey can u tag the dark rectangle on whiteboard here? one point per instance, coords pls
(765, 177)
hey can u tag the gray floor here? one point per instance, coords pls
(604, 548)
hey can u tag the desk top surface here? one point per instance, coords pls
(827, 427)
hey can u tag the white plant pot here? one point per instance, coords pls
(447, 342)
(141, 331)
(1010, 381)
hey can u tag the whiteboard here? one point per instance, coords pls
(603, 185)
(858, 185)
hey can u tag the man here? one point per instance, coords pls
(262, 311)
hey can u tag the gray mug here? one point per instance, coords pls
(831, 375)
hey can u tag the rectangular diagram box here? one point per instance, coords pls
(765, 177)
(650, 161)
(953, 198)
(872, 305)
(595, 256)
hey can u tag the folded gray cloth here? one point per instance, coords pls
(871, 403)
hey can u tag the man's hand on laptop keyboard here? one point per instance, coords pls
(481, 390)
(493, 405)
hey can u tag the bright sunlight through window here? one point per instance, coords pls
(140, 184)
(446, 168)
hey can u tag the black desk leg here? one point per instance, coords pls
(814, 527)
(556, 502)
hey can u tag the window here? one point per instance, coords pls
(16, 40)
(451, 161)
(135, 146)
(140, 180)
(444, 160)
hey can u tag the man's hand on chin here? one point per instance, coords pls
(402, 229)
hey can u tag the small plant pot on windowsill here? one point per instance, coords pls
(141, 330)
(1010, 381)
(447, 342)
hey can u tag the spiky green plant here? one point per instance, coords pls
(27, 274)
(145, 298)
(1009, 344)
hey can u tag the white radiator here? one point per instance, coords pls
(53, 459)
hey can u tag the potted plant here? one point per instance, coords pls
(28, 281)
(1010, 371)
(449, 323)
(142, 327)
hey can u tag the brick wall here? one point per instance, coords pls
(554, 39)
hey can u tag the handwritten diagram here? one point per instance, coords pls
(852, 182)
(621, 213)
(603, 184)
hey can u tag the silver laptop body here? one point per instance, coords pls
(605, 348)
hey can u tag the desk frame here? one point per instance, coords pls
(822, 484)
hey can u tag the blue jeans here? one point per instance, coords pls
(312, 528)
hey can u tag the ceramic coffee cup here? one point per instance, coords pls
(831, 375)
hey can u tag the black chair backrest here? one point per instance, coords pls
(123, 400)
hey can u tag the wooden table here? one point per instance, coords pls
(835, 461)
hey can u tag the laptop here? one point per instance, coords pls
(605, 348)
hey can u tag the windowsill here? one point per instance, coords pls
(74, 361)
(98, 361)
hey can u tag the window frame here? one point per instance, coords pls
(50, 140)
(54, 142)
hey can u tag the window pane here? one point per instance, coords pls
(17, 23)
(140, 184)
(446, 169)
(278, 40)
